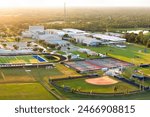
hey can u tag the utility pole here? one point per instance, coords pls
(65, 12)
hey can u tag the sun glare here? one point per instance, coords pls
(59, 3)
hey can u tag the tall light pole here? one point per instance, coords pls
(65, 12)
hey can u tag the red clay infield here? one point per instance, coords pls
(105, 80)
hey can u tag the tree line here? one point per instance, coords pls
(138, 38)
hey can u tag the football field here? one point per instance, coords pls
(21, 59)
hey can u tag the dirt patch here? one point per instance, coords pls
(105, 80)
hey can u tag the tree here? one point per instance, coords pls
(66, 35)
(148, 43)
(41, 49)
(35, 49)
(17, 39)
(28, 44)
(59, 48)
(115, 89)
(69, 57)
(15, 47)
(5, 45)
(52, 46)
(72, 40)
(68, 48)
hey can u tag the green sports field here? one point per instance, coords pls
(24, 91)
(18, 59)
(86, 87)
(24, 83)
(26, 74)
(132, 53)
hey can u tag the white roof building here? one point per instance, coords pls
(55, 31)
(71, 30)
(35, 29)
(138, 31)
(114, 34)
(107, 38)
(33, 32)
(87, 40)
(27, 34)
(49, 37)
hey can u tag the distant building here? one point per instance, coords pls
(138, 31)
(114, 34)
(58, 42)
(55, 31)
(33, 32)
(89, 41)
(71, 30)
(49, 37)
(27, 34)
(35, 29)
(106, 39)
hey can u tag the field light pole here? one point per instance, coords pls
(65, 11)
(37, 55)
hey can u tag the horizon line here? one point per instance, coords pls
(74, 7)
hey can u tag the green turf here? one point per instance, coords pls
(84, 55)
(33, 91)
(16, 74)
(40, 73)
(128, 54)
(128, 72)
(145, 71)
(139, 96)
(86, 87)
(17, 59)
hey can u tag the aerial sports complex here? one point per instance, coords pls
(80, 66)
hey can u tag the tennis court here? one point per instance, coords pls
(96, 64)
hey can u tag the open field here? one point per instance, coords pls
(15, 75)
(26, 74)
(24, 91)
(20, 82)
(130, 53)
(145, 71)
(84, 55)
(135, 70)
(67, 72)
(82, 85)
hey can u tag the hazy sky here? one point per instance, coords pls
(59, 3)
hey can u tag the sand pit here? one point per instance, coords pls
(105, 80)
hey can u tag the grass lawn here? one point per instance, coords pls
(128, 54)
(145, 71)
(129, 71)
(66, 72)
(86, 87)
(84, 55)
(26, 74)
(15, 75)
(42, 73)
(24, 91)
(139, 96)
